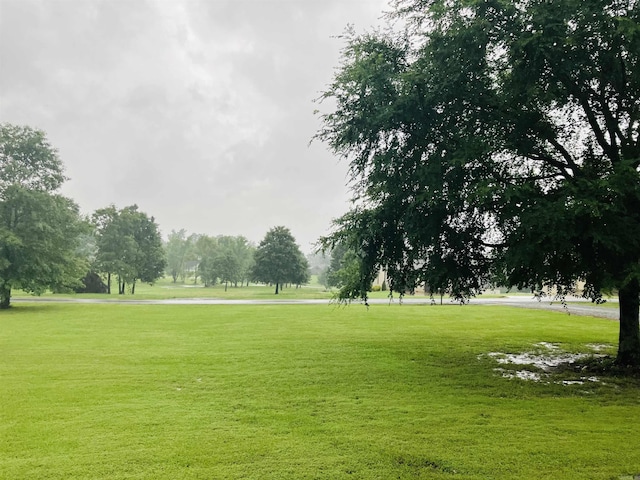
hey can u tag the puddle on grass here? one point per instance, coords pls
(545, 359)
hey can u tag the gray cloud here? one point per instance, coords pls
(198, 111)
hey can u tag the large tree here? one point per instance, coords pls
(278, 260)
(496, 140)
(28, 159)
(39, 229)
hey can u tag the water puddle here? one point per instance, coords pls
(544, 360)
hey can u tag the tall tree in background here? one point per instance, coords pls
(227, 266)
(235, 258)
(205, 250)
(224, 258)
(343, 270)
(129, 246)
(278, 260)
(177, 248)
(496, 139)
(39, 229)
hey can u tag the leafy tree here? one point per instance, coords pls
(227, 266)
(278, 260)
(206, 248)
(129, 245)
(238, 255)
(227, 259)
(150, 259)
(28, 159)
(107, 258)
(343, 271)
(39, 229)
(177, 251)
(336, 264)
(495, 141)
(301, 272)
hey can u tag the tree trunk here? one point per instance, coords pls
(277, 284)
(225, 286)
(5, 296)
(109, 283)
(629, 339)
(133, 288)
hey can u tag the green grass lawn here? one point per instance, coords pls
(166, 289)
(304, 392)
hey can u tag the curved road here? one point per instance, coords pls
(576, 306)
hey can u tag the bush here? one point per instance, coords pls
(375, 288)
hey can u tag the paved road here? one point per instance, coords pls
(576, 306)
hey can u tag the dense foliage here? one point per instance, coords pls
(495, 141)
(225, 259)
(278, 260)
(129, 245)
(39, 229)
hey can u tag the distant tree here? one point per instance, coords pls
(225, 259)
(242, 252)
(150, 259)
(129, 245)
(278, 260)
(336, 263)
(39, 229)
(227, 266)
(108, 258)
(206, 248)
(318, 262)
(177, 250)
(301, 272)
(344, 271)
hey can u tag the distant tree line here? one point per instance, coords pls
(46, 244)
(222, 259)
(233, 260)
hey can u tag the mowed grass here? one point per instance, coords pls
(303, 392)
(166, 289)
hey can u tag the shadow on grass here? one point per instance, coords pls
(25, 307)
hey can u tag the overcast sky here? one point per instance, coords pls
(199, 111)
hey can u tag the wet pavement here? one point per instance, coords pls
(575, 306)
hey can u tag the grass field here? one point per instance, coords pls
(305, 392)
(166, 289)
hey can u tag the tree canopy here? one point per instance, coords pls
(178, 249)
(278, 260)
(495, 141)
(27, 159)
(39, 229)
(128, 245)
